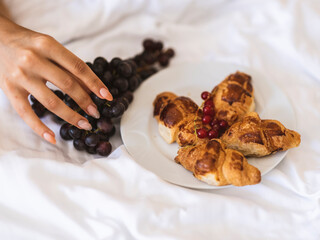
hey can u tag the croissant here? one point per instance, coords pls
(211, 162)
(177, 118)
(255, 137)
(233, 97)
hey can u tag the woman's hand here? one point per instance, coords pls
(30, 59)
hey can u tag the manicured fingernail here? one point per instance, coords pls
(49, 137)
(106, 94)
(84, 125)
(92, 110)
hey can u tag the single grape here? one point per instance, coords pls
(144, 74)
(118, 109)
(91, 150)
(79, 144)
(104, 148)
(170, 52)
(101, 61)
(128, 95)
(202, 133)
(90, 119)
(91, 140)
(125, 102)
(107, 112)
(206, 119)
(115, 62)
(205, 95)
(64, 131)
(148, 44)
(163, 60)
(113, 132)
(98, 69)
(207, 110)
(70, 102)
(122, 84)
(213, 134)
(149, 58)
(107, 79)
(102, 136)
(216, 126)
(133, 65)
(223, 124)
(105, 125)
(214, 122)
(209, 102)
(33, 99)
(124, 69)
(39, 109)
(75, 132)
(134, 82)
(90, 65)
(158, 46)
(114, 91)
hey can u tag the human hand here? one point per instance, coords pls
(30, 59)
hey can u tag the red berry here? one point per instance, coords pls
(207, 110)
(213, 134)
(209, 103)
(214, 122)
(202, 133)
(206, 119)
(223, 124)
(205, 95)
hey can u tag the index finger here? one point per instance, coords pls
(69, 61)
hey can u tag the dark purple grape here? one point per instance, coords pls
(134, 82)
(147, 73)
(124, 69)
(122, 84)
(107, 112)
(114, 91)
(98, 70)
(133, 65)
(148, 44)
(163, 60)
(118, 109)
(57, 119)
(104, 148)
(39, 109)
(107, 79)
(98, 101)
(70, 102)
(90, 119)
(170, 52)
(59, 94)
(101, 61)
(91, 140)
(91, 150)
(33, 99)
(125, 102)
(64, 131)
(128, 95)
(105, 125)
(138, 59)
(75, 132)
(112, 132)
(102, 136)
(79, 144)
(115, 62)
(158, 45)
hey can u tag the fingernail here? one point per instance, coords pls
(49, 137)
(84, 125)
(92, 110)
(106, 94)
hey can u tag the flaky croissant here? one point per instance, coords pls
(233, 97)
(211, 162)
(255, 137)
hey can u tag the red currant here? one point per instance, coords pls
(205, 95)
(223, 124)
(209, 103)
(206, 119)
(214, 122)
(216, 127)
(202, 133)
(213, 134)
(207, 110)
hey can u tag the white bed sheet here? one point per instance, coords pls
(54, 192)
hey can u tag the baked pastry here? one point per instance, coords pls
(211, 162)
(255, 137)
(233, 97)
(161, 101)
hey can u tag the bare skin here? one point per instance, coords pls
(28, 60)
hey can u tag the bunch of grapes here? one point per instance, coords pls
(122, 77)
(212, 127)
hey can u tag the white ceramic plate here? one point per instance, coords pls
(139, 130)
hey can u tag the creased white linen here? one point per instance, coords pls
(54, 192)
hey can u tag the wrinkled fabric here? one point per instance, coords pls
(55, 192)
